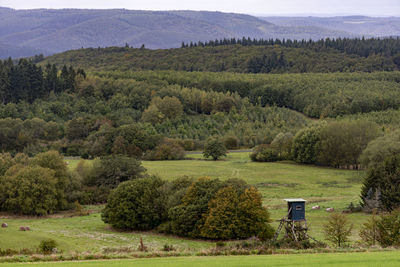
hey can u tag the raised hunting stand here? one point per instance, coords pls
(294, 222)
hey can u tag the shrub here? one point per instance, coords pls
(283, 144)
(338, 229)
(369, 231)
(231, 142)
(214, 148)
(167, 150)
(167, 248)
(47, 246)
(112, 170)
(189, 144)
(263, 153)
(136, 205)
(388, 227)
(30, 190)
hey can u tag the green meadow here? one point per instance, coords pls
(321, 186)
(333, 259)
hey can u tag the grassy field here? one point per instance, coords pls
(320, 186)
(333, 259)
(85, 234)
(326, 187)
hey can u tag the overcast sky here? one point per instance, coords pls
(269, 7)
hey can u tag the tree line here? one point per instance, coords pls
(236, 58)
(364, 47)
(316, 95)
(26, 81)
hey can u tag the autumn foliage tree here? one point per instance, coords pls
(232, 215)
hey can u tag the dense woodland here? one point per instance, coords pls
(342, 118)
(362, 47)
(246, 56)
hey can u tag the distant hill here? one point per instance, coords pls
(7, 50)
(59, 30)
(360, 25)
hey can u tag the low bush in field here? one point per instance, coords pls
(47, 246)
(263, 153)
(338, 229)
(202, 208)
(383, 230)
(167, 150)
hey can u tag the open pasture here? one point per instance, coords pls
(326, 187)
(333, 259)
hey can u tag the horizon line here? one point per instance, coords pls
(323, 15)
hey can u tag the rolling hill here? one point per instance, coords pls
(360, 25)
(59, 30)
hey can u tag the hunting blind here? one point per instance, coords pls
(296, 209)
(294, 222)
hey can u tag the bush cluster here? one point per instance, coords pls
(42, 185)
(96, 180)
(383, 230)
(34, 186)
(264, 153)
(201, 208)
(168, 149)
(336, 144)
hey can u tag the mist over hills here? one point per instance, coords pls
(360, 25)
(28, 32)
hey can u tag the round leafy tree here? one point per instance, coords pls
(136, 205)
(231, 215)
(30, 190)
(214, 148)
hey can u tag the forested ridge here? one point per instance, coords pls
(316, 95)
(246, 56)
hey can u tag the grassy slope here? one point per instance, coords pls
(275, 181)
(86, 233)
(334, 259)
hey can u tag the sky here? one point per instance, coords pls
(255, 7)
